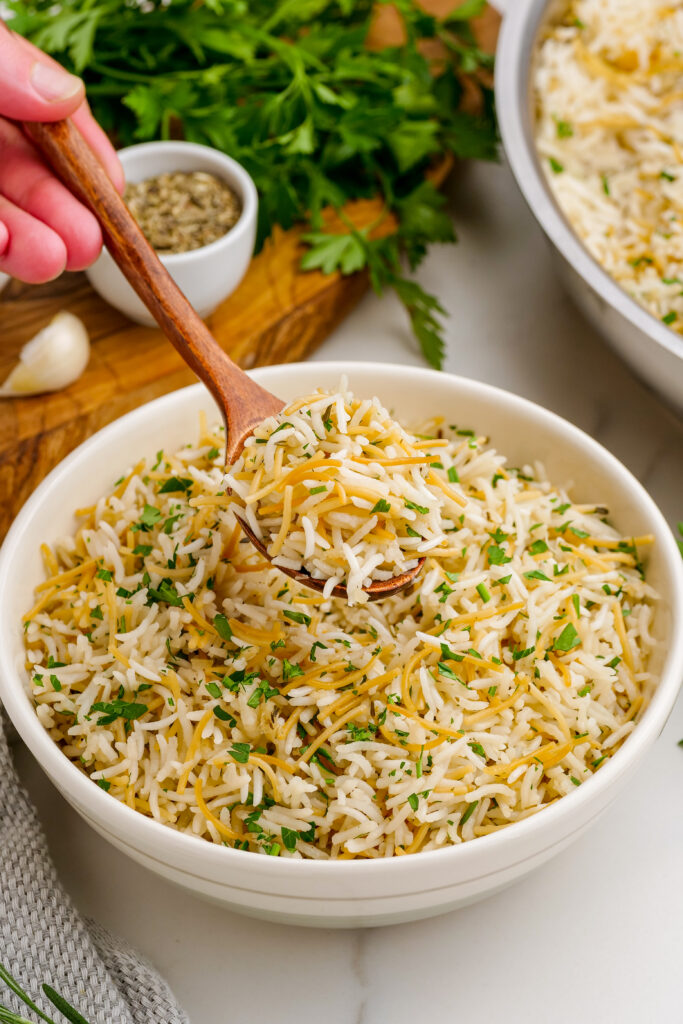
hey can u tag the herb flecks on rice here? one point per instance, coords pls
(195, 683)
(608, 83)
(334, 486)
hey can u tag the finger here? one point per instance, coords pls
(32, 86)
(34, 252)
(82, 117)
(98, 141)
(27, 182)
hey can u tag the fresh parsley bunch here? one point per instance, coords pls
(290, 90)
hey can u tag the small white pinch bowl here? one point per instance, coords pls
(206, 275)
(364, 892)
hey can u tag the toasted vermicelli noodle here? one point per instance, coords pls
(197, 684)
(608, 86)
(335, 486)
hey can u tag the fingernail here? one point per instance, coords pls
(53, 83)
(4, 239)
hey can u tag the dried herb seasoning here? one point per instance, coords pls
(181, 211)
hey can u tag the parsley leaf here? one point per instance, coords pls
(567, 640)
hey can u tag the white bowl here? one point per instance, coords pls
(343, 893)
(207, 275)
(653, 350)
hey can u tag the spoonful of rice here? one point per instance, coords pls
(332, 490)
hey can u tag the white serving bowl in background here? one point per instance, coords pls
(653, 350)
(343, 893)
(206, 275)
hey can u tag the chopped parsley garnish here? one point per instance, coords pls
(170, 523)
(518, 654)
(240, 752)
(483, 592)
(225, 716)
(222, 627)
(316, 645)
(104, 574)
(469, 812)
(309, 835)
(497, 556)
(567, 640)
(118, 708)
(143, 549)
(453, 475)
(422, 509)
(264, 691)
(150, 516)
(359, 733)
(289, 838)
(165, 592)
(538, 547)
(290, 671)
(445, 670)
(175, 483)
(414, 801)
(555, 165)
(381, 506)
(300, 617)
(536, 574)
(477, 749)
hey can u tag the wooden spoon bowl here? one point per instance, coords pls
(243, 403)
(376, 591)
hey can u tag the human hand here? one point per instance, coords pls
(44, 229)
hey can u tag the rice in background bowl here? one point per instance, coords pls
(651, 348)
(338, 892)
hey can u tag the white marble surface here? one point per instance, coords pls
(593, 935)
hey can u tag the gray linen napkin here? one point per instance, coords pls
(43, 938)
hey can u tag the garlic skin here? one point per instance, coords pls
(53, 359)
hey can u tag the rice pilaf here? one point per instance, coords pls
(198, 685)
(608, 83)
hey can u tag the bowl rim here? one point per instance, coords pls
(514, 62)
(248, 195)
(122, 819)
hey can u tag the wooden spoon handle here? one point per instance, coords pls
(243, 402)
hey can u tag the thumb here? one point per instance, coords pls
(32, 86)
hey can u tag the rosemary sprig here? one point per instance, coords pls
(8, 1016)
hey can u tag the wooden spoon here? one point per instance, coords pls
(243, 403)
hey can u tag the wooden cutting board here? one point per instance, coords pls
(278, 314)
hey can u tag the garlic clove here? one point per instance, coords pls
(53, 359)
